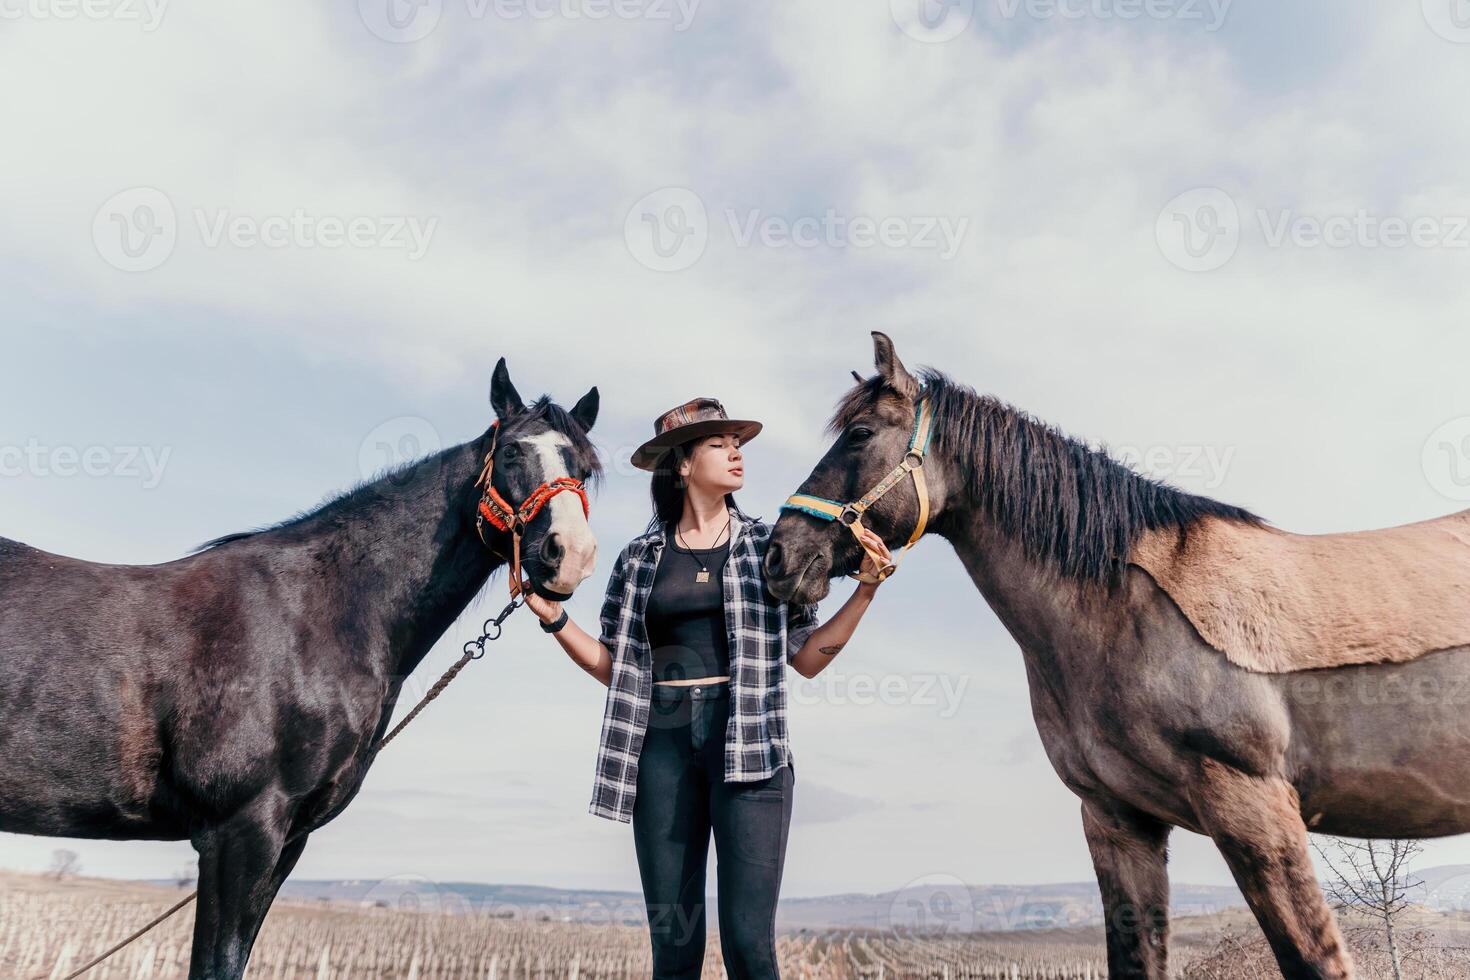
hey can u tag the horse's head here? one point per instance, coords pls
(539, 459)
(875, 426)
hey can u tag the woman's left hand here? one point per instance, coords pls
(876, 545)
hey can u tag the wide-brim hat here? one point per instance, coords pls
(691, 420)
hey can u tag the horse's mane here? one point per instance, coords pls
(1067, 504)
(402, 475)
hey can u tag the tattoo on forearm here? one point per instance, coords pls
(832, 650)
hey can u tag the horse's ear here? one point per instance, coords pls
(885, 358)
(585, 411)
(857, 377)
(503, 395)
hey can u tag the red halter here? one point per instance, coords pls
(499, 512)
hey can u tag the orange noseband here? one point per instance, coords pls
(501, 515)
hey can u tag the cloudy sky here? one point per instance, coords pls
(252, 252)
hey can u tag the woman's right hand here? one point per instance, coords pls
(545, 609)
(876, 546)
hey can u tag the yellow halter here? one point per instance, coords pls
(851, 514)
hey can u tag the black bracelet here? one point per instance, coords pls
(556, 623)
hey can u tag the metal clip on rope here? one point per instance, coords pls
(492, 628)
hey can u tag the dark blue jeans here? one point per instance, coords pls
(682, 796)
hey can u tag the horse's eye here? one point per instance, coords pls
(511, 452)
(859, 434)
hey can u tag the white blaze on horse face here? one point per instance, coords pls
(568, 523)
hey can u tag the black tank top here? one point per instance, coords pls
(685, 618)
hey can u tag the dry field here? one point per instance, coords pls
(49, 927)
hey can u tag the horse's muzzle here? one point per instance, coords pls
(551, 594)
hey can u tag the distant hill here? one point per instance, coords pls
(1444, 888)
(954, 907)
(944, 906)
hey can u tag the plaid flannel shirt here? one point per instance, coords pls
(764, 632)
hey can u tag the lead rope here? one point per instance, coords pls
(473, 650)
(131, 939)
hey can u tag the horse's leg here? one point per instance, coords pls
(239, 872)
(1128, 853)
(1256, 822)
(290, 854)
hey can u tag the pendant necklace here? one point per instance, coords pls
(703, 574)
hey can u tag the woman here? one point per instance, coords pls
(702, 747)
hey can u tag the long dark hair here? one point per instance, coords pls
(668, 491)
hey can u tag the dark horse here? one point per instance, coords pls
(1147, 723)
(233, 698)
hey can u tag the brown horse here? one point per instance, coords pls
(1151, 725)
(235, 698)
